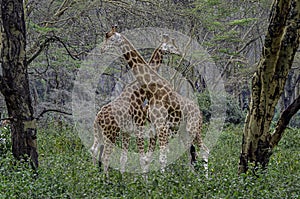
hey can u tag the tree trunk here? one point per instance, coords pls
(14, 81)
(281, 43)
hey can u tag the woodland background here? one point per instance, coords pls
(60, 34)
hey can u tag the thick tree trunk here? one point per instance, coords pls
(281, 43)
(14, 81)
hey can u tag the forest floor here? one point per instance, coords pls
(66, 171)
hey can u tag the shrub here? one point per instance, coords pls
(5, 141)
(66, 171)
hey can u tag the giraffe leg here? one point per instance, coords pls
(163, 141)
(94, 150)
(100, 156)
(150, 151)
(125, 145)
(140, 145)
(205, 152)
(98, 135)
(152, 145)
(158, 115)
(95, 147)
(205, 155)
(193, 154)
(108, 148)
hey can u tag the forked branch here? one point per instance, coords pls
(46, 44)
(284, 120)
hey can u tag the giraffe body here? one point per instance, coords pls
(127, 113)
(120, 117)
(166, 107)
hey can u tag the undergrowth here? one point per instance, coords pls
(66, 171)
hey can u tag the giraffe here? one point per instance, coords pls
(110, 122)
(164, 103)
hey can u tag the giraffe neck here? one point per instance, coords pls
(156, 58)
(144, 74)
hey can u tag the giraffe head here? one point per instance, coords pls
(168, 45)
(112, 38)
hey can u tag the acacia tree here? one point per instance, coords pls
(281, 44)
(14, 81)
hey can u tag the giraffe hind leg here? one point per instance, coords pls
(193, 154)
(205, 155)
(205, 152)
(100, 156)
(108, 149)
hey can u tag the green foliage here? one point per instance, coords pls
(234, 114)
(39, 28)
(66, 171)
(5, 141)
(242, 21)
(204, 103)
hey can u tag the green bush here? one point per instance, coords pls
(5, 141)
(234, 114)
(66, 171)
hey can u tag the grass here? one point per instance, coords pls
(66, 171)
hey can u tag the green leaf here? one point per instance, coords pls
(242, 21)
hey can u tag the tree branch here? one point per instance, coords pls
(284, 120)
(45, 44)
(51, 110)
(63, 7)
(41, 114)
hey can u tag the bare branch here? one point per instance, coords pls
(46, 44)
(63, 7)
(51, 110)
(247, 44)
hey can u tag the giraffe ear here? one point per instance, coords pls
(114, 28)
(173, 41)
(165, 38)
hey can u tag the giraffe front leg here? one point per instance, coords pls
(143, 159)
(123, 158)
(163, 141)
(150, 151)
(94, 150)
(95, 147)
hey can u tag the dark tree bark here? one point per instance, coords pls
(281, 44)
(14, 81)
